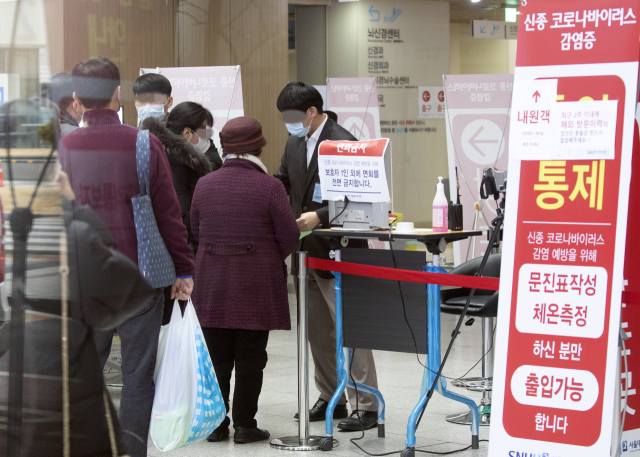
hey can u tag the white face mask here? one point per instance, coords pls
(202, 146)
(150, 111)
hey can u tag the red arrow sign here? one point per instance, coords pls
(536, 95)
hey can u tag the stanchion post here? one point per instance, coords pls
(303, 351)
(302, 442)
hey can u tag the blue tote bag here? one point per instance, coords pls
(154, 259)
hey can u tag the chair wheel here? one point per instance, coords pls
(408, 453)
(326, 444)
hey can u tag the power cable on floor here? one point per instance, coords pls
(361, 437)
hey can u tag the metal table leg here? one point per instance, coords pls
(343, 362)
(433, 364)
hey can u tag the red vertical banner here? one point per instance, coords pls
(631, 314)
(572, 125)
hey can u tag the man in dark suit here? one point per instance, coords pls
(301, 107)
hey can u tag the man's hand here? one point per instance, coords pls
(182, 288)
(308, 221)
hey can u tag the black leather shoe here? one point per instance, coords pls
(367, 420)
(218, 435)
(319, 411)
(249, 435)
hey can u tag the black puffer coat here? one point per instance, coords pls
(187, 166)
(213, 156)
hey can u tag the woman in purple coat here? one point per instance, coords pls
(243, 221)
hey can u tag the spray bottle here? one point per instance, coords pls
(440, 209)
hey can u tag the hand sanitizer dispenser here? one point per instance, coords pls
(440, 209)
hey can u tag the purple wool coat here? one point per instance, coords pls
(246, 229)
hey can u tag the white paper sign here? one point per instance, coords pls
(532, 128)
(585, 130)
(431, 102)
(353, 169)
(551, 129)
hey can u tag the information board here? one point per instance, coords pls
(219, 89)
(355, 101)
(477, 124)
(565, 228)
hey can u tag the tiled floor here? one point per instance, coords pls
(399, 377)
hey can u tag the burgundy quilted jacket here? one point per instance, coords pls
(245, 227)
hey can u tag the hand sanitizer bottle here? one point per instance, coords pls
(440, 209)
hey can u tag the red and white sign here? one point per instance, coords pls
(631, 314)
(431, 102)
(631, 310)
(219, 89)
(477, 136)
(353, 169)
(355, 101)
(565, 228)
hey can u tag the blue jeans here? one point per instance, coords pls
(139, 336)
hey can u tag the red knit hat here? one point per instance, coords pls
(240, 135)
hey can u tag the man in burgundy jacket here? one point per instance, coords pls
(100, 159)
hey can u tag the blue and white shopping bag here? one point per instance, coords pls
(188, 404)
(210, 410)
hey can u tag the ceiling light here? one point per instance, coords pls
(510, 15)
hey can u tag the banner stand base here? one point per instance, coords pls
(465, 418)
(295, 443)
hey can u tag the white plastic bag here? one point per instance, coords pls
(188, 405)
(162, 340)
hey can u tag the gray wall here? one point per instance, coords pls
(311, 50)
(343, 40)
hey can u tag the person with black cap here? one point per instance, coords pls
(246, 229)
(60, 92)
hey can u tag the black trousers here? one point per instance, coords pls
(139, 337)
(247, 350)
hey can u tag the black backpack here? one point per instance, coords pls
(106, 287)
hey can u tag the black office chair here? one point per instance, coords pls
(484, 305)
